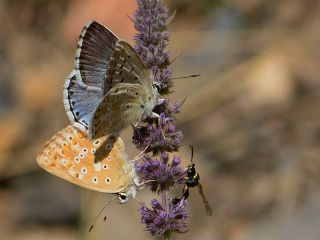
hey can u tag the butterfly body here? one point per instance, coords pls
(98, 165)
(125, 91)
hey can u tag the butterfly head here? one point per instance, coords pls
(123, 197)
(149, 101)
(156, 86)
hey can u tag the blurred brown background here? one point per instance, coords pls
(253, 117)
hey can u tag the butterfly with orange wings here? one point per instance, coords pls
(100, 165)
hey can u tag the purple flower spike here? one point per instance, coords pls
(158, 221)
(159, 136)
(152, 38)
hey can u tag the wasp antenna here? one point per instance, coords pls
(183, 101)
(191, 147)
(105, 218)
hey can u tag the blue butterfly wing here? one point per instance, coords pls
(80, 101)
(94, 49)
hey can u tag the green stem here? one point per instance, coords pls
(165, 203)
(167, 235)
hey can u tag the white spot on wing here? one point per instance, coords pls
(46, 160)
(105, 166)
(64, 161)
(72, 173)
(107, 180)
(95, 180)
(77, 159)
(80, 126)
(84, 170)
(97, 166)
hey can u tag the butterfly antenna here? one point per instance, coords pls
(171, 17)
(178, 107)
(176, 58)
(105, 218)
(190, 76)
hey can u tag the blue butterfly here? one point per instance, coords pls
(110, 86)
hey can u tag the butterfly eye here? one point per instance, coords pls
(123, 197)
(156, 86)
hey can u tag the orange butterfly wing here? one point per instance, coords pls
(99, 164)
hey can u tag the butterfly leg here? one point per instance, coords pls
(138, 184)
(160, 101)
(141, 184)
(133, 191)
(140, 154)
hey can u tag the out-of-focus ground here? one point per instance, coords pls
(253, 117)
